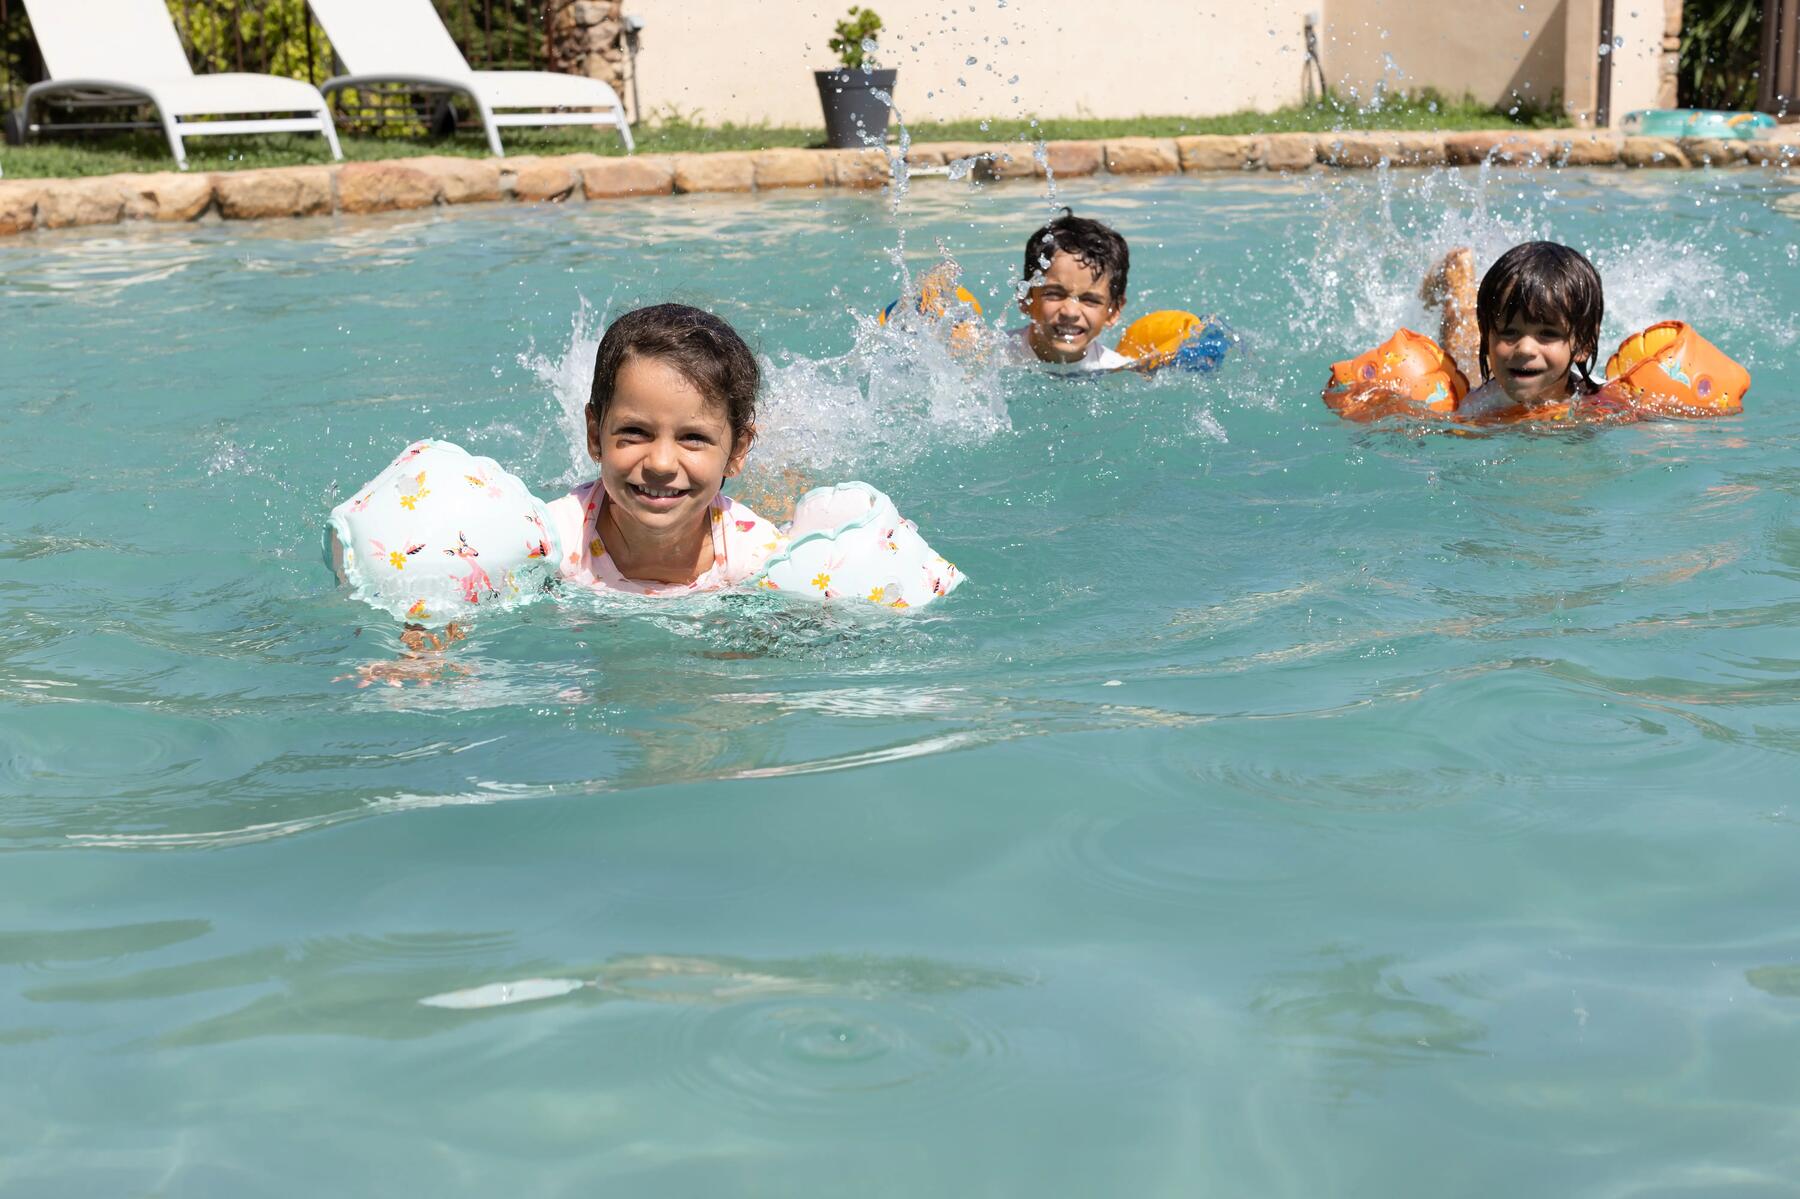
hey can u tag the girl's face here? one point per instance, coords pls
(664, 449)
(1530, 360)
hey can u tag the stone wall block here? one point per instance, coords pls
(1422, 148)
(1286, 151)
(461, 180)
(99, 200)
(19, 200)
(1371, 149)
(929, 154)
(385, 187)
(1009, 160)
(958, 156)
(611, 178)
(858, 168)
(1652, 152)
(1356, 149)
(1714, 151)
(729, 172)
(1214, 152)
(1530, 148)
(535, 180)
(1772, 153)
(1582, 148)
(1142, 156)
(789, 168)
(1501, 147)
(951, 151)
(182, 197)
(276, 191)
(1070, 160)
(1469, 149)
(165, 197)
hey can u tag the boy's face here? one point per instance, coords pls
(1530, 361)
(1069, 307)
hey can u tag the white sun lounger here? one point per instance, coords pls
(405, 42)
(113, 53)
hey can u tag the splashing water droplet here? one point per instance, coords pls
(969, 61)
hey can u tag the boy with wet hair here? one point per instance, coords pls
(1535, 332)
(1073, 291)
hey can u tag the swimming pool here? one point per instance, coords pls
(1283, 808)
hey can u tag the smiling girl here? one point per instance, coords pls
(671, 416)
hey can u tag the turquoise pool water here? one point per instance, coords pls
(1283, 809)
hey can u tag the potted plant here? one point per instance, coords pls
(857, 98)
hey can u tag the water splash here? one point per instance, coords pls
(901, 391)
(568, 377)
(1378, 235)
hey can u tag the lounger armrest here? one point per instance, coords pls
(441, 82)
(52, 86)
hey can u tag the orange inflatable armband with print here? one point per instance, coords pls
(1670, 370)
(1406, 372)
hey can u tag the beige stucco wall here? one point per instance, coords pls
(737, 60)
(752, 60)
(1488, 48)
(1637, 65)
(1495, 50)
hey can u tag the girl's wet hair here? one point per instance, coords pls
(707, 351)
(1549, 284)
(1095, 246)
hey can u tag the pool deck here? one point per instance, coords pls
(416, 183)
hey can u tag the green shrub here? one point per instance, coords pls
(1721, 53)
(268, 37)
(859, 27)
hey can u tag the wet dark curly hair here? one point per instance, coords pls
(1095, 246)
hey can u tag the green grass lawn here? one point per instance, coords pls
(82, 154)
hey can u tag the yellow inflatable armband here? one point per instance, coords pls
(1408, 371)
(1670, 370)
(1171, 336)
(938, 290)
(932, 305)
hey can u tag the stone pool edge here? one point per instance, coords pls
(415, 183)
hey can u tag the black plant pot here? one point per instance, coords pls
(857, 106)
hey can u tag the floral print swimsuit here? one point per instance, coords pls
(742, 543)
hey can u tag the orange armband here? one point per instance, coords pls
(1670, 370)
(1408, 370)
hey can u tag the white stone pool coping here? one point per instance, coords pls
(414, 183)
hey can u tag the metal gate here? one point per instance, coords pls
(1779, 91)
